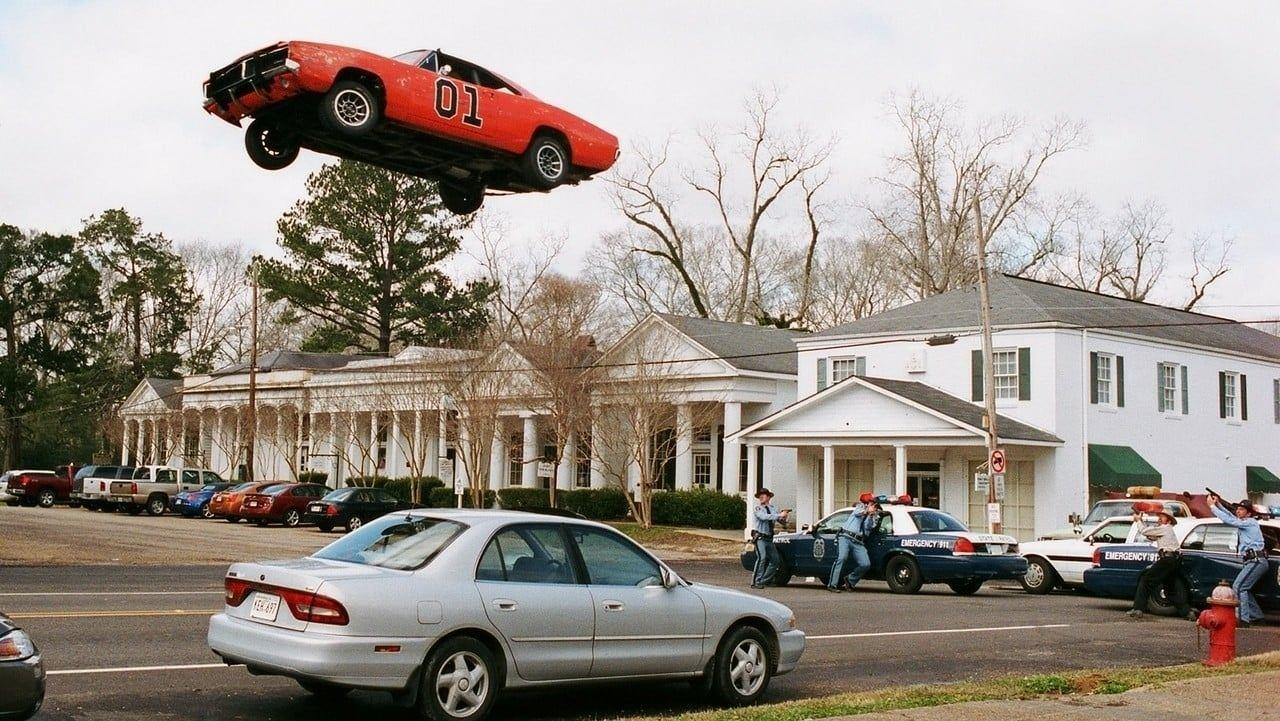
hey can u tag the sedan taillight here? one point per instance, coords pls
(1097, 557)
(963, 547)
(305, 606)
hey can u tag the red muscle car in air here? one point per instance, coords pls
(423, 113)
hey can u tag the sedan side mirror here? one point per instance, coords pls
(806, 528)
(669, 578)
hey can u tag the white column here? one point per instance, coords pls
(280, 446)
(335, 457)
(568, 466)
(732, 454)
(899, 470)
(431, 449)
(373, 444)
(461, 447)
(684, 447)
(155, 441)
(124, 442)
(753, 481)
(393, 446)
(715, 462)
(633, 476)
(498, 458)
(529, 455)
(828, 480)
(597, 465)
(201, 459)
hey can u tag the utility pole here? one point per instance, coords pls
(988, 364)
(251, 432)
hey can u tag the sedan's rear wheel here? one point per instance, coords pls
(902, 573)
(1040, 577)
(967, 587)
(205, 512)
(461, 199)
(743, 667)
(460, 681)
(1166, 600)
(353, 523)
(269, 146)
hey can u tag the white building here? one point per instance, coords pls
(1092, 393)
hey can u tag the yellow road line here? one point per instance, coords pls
(109, 614)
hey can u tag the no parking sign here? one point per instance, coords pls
(996, 461)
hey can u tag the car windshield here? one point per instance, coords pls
(211, 487)
(397, 541)
(85, 472)
(929, 521)
(341, 494)
(413, 57)
(1103, 510)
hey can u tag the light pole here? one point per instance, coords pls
(988, 364)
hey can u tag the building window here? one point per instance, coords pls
(1231, 396)
(515, 464)
(582, 467)
(1173, 387)
(702, 469)
(842, 368)
(1104, 373)
(1005, 364)
(702, 435)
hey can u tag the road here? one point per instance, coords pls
(128, 642)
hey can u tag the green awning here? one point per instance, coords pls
(1257, 479)
(1118, 467)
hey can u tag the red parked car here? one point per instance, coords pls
(42, 488)
(282, 503)
(423, 113)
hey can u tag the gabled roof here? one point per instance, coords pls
(1017, 301)
(936, 402)
(168, 390)
(290, 360)
(745, 347)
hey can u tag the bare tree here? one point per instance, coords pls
(280, 432)
(1209, 262)
(517, 271)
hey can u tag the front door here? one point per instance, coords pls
(532, 595)
(813, 555)
(642, 627)
(924, 483)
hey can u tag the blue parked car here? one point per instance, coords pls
(1209, 555)
(196, 503)
(912, 546)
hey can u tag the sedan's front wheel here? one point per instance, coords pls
(1040, 577)
(460, 681)
(205, 512)
(743, 667)
(270, 146)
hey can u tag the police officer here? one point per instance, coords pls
(852, 544)
(1168, 560)
(1252, 552)
(763, 517)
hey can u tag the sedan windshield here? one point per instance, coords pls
(398, 541)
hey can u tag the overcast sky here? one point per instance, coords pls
(100, 101)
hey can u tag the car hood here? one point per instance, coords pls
(720, 600)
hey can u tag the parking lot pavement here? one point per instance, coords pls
(128, 643)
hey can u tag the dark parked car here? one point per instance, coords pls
(351, 508)
(21, 673)
(282, 503)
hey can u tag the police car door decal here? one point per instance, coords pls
(819, 549)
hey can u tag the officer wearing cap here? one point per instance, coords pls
(763, 517)
(851, 542)
(1252, 552)
(1169, 557)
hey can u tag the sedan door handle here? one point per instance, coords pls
(613, 605)
(504, 604)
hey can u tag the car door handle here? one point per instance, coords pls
(613, 605)
(504, 604)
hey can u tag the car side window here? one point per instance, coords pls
(210, 477)
(1221, 539)
(886, 524)
(612, 560)
(166, 475)
(190, 476)
(833, 523)
(1117, 532)
(1194, 540)
(527, 554)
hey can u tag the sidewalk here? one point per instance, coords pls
(1245, 697)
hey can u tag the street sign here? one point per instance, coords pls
(980, 482)
(459, 487)
(997, 461)
(546, 469)
(446, 469)
(999, 480)
(993, 513)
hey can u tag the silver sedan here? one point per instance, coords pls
(446, 609)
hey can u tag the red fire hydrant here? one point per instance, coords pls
(1220, 619)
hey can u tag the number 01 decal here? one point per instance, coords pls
(447, 102)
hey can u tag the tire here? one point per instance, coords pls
(455, 667)
(46, 498)
(1040, 577)
(205, 512)
(291, 518)
(354, 523)
(270, 147)
(461, 199)
(11, 504)
(91, 506)
(233, 519)
(133, 509)
(350, 108)
(743, 667)
(783, 575)
(157, 505)
(1165, 602)
(325, 526)
(967, 587)
(545, 162)
(902, 573)
(327, 691)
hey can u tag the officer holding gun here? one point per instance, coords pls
(1252, 552)
(763, 517)
(852, 544)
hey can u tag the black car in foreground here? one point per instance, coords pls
(21, 673)
(351, 508)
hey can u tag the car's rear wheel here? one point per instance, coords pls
(1040, 577)
(47, 498)
(461, 199)
(459, 681)
(902, 573)
(350, 108)
(324, 690)
(1166, 600)
(783, 575)
(156, 505)
(743, 667)
(353, 523)
(967, 587)
(292, 518)
(546, 162)
(133, 509)
(269, 146)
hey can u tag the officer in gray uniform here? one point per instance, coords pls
(762, 519)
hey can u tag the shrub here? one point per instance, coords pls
(524, 499)
(598, 504)
(313, 477)
(444, 498)
(1047, 685)
(699, 509)
(401, 488)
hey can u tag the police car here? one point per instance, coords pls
(1062, 562)
(1209, 555)
(912, 546)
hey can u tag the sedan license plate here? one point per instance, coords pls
(996, 549)
(316, 508)
(266, 607)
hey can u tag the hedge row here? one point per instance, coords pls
(699, 509)
(401, 488)
(445, 498)
(598, 504)
(313, 477)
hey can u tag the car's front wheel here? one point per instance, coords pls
(205, 512)
(350, 108)
(1040, 577)
(902, 573)
(742, 668)
(47, 498)
(269, 146)
(459, 681)
(546, 162)
(354, 523)
(461, 199)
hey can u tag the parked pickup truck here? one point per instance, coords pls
(153, 487)
(92, 485)
(42, 488)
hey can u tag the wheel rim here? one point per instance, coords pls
(351, 108)
(157, 507)
(272, 143)
(291, 518)
(550, 161)
(46, 498)
(355, 523)
(903, 574)
(747, 667)
(204, 511)
(1035, 575)
(462, 684)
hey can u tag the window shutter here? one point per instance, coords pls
(1186, 393)
(1093, 377)
(1275, 393)
(1222, 394)
(822, 373)
(1244, 397)
(860, 366)
(1024, 374)
(975, 366)
(1160, 387)
(1120, 381)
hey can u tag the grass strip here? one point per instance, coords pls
(665, 537)
(1011, 688)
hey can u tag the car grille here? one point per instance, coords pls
(228, 83)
